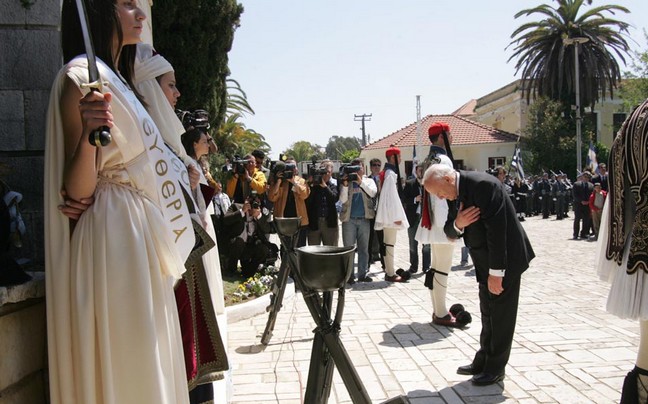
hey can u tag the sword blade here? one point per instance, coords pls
(93, 71)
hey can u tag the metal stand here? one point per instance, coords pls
(288, 230)
(328, 350)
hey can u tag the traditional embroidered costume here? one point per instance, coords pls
(622, 256)
(199, 294)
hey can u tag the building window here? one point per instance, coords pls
(496, 161)
(590, 122)
(617, 121)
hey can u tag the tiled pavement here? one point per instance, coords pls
(567, 349)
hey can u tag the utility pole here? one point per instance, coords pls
(363, 118)
(576, 42)
(418, 124)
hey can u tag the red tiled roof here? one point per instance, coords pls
(466, 109)
(464, 132)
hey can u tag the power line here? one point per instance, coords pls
(363, 118)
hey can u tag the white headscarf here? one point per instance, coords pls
(148, 66)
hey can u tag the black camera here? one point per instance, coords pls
(254, 200)
(318, 173)
(198, 119)
(239, 165)
(281, 169)
(289, 171)
(351, 172)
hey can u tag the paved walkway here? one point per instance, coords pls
(567, 349)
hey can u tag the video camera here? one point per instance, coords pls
(198, 119)
(238, 165)
(279, 167)
(350, 171)
(317, 173)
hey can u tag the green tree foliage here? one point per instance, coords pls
(349, 155)
(548, 143)
(634, 89)
(338, 146)
(304, 151)
(547, 64)
(234, 139)
(195, 36)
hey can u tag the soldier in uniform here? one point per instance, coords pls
(545, 195)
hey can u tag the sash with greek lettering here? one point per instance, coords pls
(169, 171)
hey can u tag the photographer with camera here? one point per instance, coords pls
(198, 119)
(288, 191)
(245, 227)
(356, 195)
(244, 178)
(322, 215)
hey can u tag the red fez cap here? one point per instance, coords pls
(437, 128)
(392, 150)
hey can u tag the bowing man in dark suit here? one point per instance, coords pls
(485, 217)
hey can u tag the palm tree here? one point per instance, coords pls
(303, 150)
(547, 63)
(233, 138)
(237, 99)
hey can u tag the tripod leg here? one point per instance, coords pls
(277, 299)
(347, 372)
(317, 372)
(320, 372)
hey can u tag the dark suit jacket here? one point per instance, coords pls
(313, 205)
(497, 240)
(233, 223)
(582, 191)
(412, 190)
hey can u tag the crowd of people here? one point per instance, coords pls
(135, 315)
(556, 195)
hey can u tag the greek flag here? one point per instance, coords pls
(592, 164)
(516, 162)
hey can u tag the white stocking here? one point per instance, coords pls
(438, 295)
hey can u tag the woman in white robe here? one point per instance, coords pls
(155, 81)
(113, 331)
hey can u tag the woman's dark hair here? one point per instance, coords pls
(103, 20)
(190, 137)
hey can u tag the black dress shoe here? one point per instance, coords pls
(486, 379)
(468, 370)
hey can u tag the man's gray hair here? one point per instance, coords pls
(436, 172)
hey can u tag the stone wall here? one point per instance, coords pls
(31, 57)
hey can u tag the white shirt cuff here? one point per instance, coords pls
(459, 232)
(497, 272)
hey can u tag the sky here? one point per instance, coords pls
(308, 67)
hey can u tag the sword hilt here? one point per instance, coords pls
(99, 137)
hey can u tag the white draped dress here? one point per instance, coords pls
(113, 331)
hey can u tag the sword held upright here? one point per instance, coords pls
(100, 136)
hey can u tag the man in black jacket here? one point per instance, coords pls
(499, 249)
(322, 215)
(582, 190)
(246, 226)
(412, 196)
